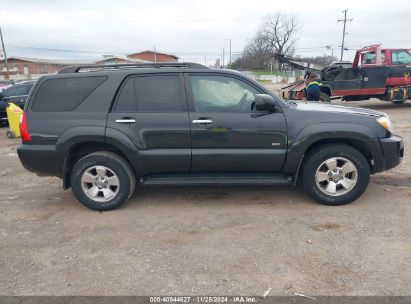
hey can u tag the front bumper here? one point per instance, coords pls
(392, 152)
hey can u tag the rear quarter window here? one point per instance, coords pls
(64, 94)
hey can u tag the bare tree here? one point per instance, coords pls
(277, 36)
(279, 32)
(259, 52)
(256, 55)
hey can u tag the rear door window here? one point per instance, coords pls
(151, 93)
(401, 57)
(126, 101)
(64, 94)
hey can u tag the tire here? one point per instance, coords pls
(117, 181)
(398, 101)
(349, 187)
(324, 97)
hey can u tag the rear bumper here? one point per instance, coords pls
(392, 150)
(40, 159)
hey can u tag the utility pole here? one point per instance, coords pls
(229, 62)
(345, 21)
(205, 59)
(155, 54)
(223, 57)
(330, 47)
(6, 77)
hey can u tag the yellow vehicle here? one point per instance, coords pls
(13, 116)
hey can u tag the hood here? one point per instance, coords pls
(324, 107)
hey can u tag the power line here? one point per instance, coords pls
(110, 51)
(35, 48)
(210, 54)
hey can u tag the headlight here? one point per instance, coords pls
(386, 123)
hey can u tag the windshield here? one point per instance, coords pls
(18, 90)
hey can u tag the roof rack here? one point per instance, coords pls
(97, 67)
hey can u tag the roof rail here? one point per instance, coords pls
(97, 67)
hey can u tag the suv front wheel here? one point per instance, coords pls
(335, 174)
(102, 181)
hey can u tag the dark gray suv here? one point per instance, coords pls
(107, 129)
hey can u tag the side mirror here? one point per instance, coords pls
(264, 102)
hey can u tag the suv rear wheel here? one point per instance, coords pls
(102, 181)
(335, 174)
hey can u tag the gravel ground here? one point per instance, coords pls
(206, 240)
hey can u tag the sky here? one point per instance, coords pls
(193, 30)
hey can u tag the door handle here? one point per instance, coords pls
(202, 121)
(126, 120)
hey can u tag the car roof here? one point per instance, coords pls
(125, 70)
(134, 66)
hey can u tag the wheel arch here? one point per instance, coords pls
(81, 149)
(354, 143)
(359, 136)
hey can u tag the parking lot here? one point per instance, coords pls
(206, 240)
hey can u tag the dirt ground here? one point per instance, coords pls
(206, 240)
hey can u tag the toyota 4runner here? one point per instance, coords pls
(107, 129)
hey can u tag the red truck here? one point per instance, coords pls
(375, 73)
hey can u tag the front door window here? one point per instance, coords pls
(221, 94)
(369, 58)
